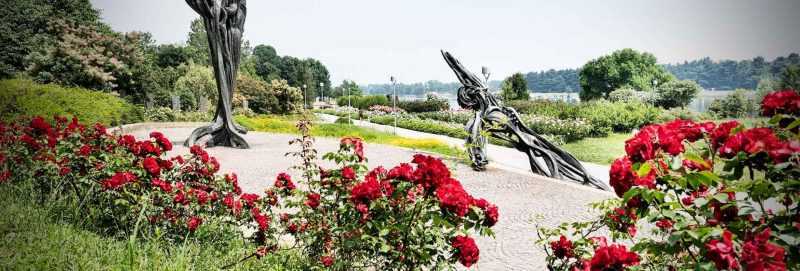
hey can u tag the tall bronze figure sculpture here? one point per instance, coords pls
(504, 123)
(224, 21)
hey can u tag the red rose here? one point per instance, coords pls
(781, 151)
(466, 250)
(366, 191)
(664, 224)
(234, 204)
(5, 176)
(261, 220)
(430, 172)
(201, 196)
(118, 180)
(492, 214)
(85, 151)
(348, 173)
(180, 198)
(640, 147)
(781, 102)
(284, 181)
(40, 126)
(613, 257)
(199, 153)
(312, 200)
(759, 254)
(722, 132)
(326, 261)
(453, 197)
(356, 144)
(722, 253)
(403, 172)
(562, 248)
(151, 165)
(250, 199)
(165, 186)
(194, 222)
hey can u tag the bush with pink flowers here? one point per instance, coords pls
(716, 196)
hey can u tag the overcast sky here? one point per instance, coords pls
(368, 40)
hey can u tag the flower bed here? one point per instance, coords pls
(718, 197)
(413, 215)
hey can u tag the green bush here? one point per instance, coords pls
(736, 105)
(619, 116)
(677, 93)
(542, 107)
(422, 125)
(431, 104)
(344, 120)
(363, 102)
(568, 130)
(460, 117)
(20, 97)
(165, 114)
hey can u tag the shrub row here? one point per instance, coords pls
(19, 97)
(363, 102)
(431, 104)
(616, 116)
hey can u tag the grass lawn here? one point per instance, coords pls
(601, 150)
(286, 125)
(37, 237)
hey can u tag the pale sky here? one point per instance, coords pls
(369, 40)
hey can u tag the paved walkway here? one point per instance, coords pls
(520, 197)
(500, 157)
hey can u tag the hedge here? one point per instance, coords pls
(20, 97)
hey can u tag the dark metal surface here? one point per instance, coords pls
(224, 22)
(504, 123)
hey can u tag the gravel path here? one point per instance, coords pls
(520, 197)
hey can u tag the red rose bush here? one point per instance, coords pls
(715, 196)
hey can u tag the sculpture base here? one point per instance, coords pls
(221, 135)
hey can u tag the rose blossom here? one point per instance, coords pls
(151, 165)
(312, 200)
(562, 248)
(466, 250)
(613, 257)
(721, 252)
(759, 254)
(194, 222)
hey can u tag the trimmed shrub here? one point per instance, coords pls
(676, 93)
(735, 105)
(431, 104)
(19, 97)
(364, 102)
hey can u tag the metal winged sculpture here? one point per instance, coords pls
(504, 124)
(224, 22)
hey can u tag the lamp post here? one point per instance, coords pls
(394, 101)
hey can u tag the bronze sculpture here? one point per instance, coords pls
(504, 123)
(224, 22)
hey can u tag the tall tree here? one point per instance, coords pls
(623, 68)
(197, 43)
(515, 88)
(790, 78)
(347, 87)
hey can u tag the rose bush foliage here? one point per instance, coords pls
(716, 196)
(410, 216)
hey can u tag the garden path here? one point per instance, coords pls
(521, 197)
(499, 156)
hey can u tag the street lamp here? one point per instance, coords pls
(394, 101)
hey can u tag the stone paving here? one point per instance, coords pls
(520, 197)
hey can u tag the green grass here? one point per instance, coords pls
(602, 150)
(286, 125)
(37, 237)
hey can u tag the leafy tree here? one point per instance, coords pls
(197, 83)
(790, 78)
(290, 99)
(625, 67)
(515, 88)
(677, 93)
(171, 55)
(347, 88)
(26, 28)
(267, 62)
(735, 105)
(554, 81)
(197, 43)
(84, 56)
(259, 98)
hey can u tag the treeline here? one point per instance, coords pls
(730, 74)
(65, 42)
(709, 74)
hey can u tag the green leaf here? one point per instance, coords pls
(644, 170)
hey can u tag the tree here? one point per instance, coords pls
(171, 55)
(84, 56)
(790, 78)
(625, 67)
(26, 28)
(259, 99)
(267, 62)
(197, 83)
(347, 88)
(735, 105)
(677, 93)
(515, 88)
(197, 43)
